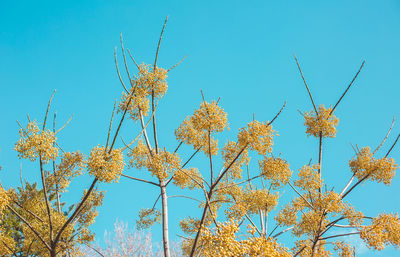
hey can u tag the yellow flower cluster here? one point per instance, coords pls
(198, 139)
(355, 218)
(324, 123)
(330, 202)
(89, 212)
(210, 117)
(309, 178)
(139, 155)
(258, 135)
(107, 167)
(147, 82)
(147, 218)
(309, 223)
(236, 211)
(162, 164)
(344, 249)
(287, 216)
(306, 249)
(136, 103)
(151, 80)
(259, 199)
(379, 170)
(276, 170)
(229, 152)
(384, 230)
(34, 142)
(189, 226)
(4, 199)
(184, 178)
(72, 165)
(261, 246)
(222, 241)
(7, 245)
(35, 204)
(195, 129)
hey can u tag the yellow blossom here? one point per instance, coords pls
(276, 170)
(72, 165)
(4, 199)
(188, 178)
(229, 153)
(147, 218)
(344, 249)
(309, 178)
(258, 136)
(379, 170)
(324, 123)
(384, 230)
(107, 167)
(7, 245)
(35, 142)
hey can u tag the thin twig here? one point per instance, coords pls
(184, 196)
(110, 125)
(126, 65)
(94, 249)
(46, 198)
(177, 64)
(119, 75)
(70, 118)
(387, 135)
(133, 59)
(351, 83)
(305, 83)
(142, 131)
(54, 166)
(138, 179)
(391, 148)
(276, 116)
(47, 110)
(290, 184)
(159, 42)
(238, 183)
(347, 234)
(280, 233)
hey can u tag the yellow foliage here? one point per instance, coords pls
(35, 142)
(107, 167)
(322, 124)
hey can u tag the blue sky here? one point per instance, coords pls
(241, 51)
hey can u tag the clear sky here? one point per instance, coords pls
(241, 51)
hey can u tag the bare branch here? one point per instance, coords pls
(138, 179)
(391, 148)
(109, 126)
(126, 65)
(119, 75)
(305, 83)
(309, 204)
(387, 135)
(159, 42)
(184, 196)
(276, 116)
(351, 83)
(47, 110)
(280, 233)
(346, 234)
(129, 52)
(177, 64)
(64, 125)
